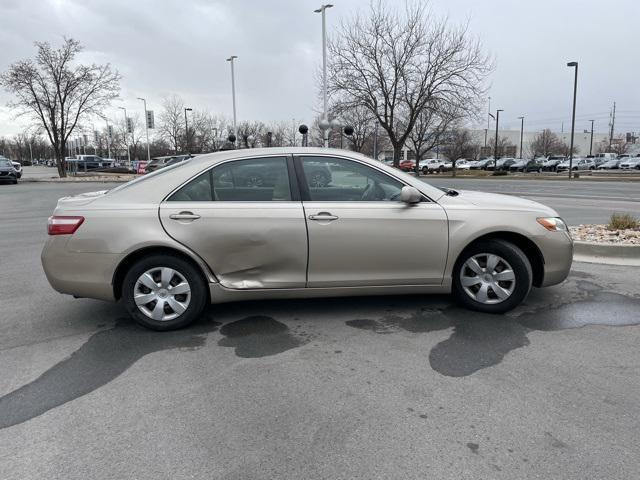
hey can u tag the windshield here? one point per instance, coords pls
(162, 171)
(5, 163)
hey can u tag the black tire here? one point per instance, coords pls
(519, 263)
(425, 170)
(193, 276)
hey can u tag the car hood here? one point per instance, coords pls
(496, 201)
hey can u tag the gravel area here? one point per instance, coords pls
(601, 234)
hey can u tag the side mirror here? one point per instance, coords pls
(410, 195)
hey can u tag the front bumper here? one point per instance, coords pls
(557, 251)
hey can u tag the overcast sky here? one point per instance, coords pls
(164, 47)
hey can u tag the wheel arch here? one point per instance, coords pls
(126, 263)
(528, 247)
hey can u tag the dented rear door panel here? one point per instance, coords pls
(247, 245)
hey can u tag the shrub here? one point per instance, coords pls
(623, 221)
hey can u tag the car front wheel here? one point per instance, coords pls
(492, 276)
(164, 292)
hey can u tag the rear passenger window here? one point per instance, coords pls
(254, 180)
(197, 190)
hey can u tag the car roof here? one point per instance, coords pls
(156, 188)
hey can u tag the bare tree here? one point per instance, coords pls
(58, 94)
(250, 134)
(431, 123)
(395, 64)
(172, 128)
(459, 144)
(546, 143)
(360, 119)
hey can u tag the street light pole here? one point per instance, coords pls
(495, 150)
(126, 142)
(146, 123)
(573, 116)
(521, 132)
(186, 127)
(322, 10)
(591, 142)
(233, 93)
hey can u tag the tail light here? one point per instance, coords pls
(58, 225)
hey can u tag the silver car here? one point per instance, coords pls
(252, 224)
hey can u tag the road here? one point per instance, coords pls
(578, 202)
(379, 387)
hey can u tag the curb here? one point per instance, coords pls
(611, 254)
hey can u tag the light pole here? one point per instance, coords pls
(573, 116)
(322, 10)
(126, 142)
(233, 92)
(495, 151)
(146, 123)
(591, 142)
(521, 132)
(186, 126)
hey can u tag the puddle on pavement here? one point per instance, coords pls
(105, 356)
(481, 340)
(258, 336)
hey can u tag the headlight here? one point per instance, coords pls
(553, 224)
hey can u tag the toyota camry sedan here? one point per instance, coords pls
(256, 224)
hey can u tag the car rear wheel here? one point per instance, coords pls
(492, 276)
(163, 292)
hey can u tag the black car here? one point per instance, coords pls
(501, 164)
(551, 164)
(481, 164)
(7, 172)
(526, 166)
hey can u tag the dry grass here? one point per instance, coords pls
(623, 221)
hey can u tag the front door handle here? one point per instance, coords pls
(323, 216)
(184, 216)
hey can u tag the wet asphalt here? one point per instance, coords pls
(372, 387)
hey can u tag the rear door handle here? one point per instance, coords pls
(184, 216)
(323, 216)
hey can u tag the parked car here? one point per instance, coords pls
(481, 164)
(434, 165)
(610, 164)
(464, 164)
(501, 164)
(531, 165)
(7, 172)
(18, 168)
(578, 164)
(552, 162)
(83, 163)
(160, 162)
(630, 163)
(407, 165)
(169, 242)
(601, 158)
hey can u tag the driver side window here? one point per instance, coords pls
(339, 180)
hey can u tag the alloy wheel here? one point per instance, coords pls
(162, 293)
(487, 278)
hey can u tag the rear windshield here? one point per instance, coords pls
(162, 171)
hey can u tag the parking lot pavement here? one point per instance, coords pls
(384, 387)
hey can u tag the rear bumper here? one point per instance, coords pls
(86, 275)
